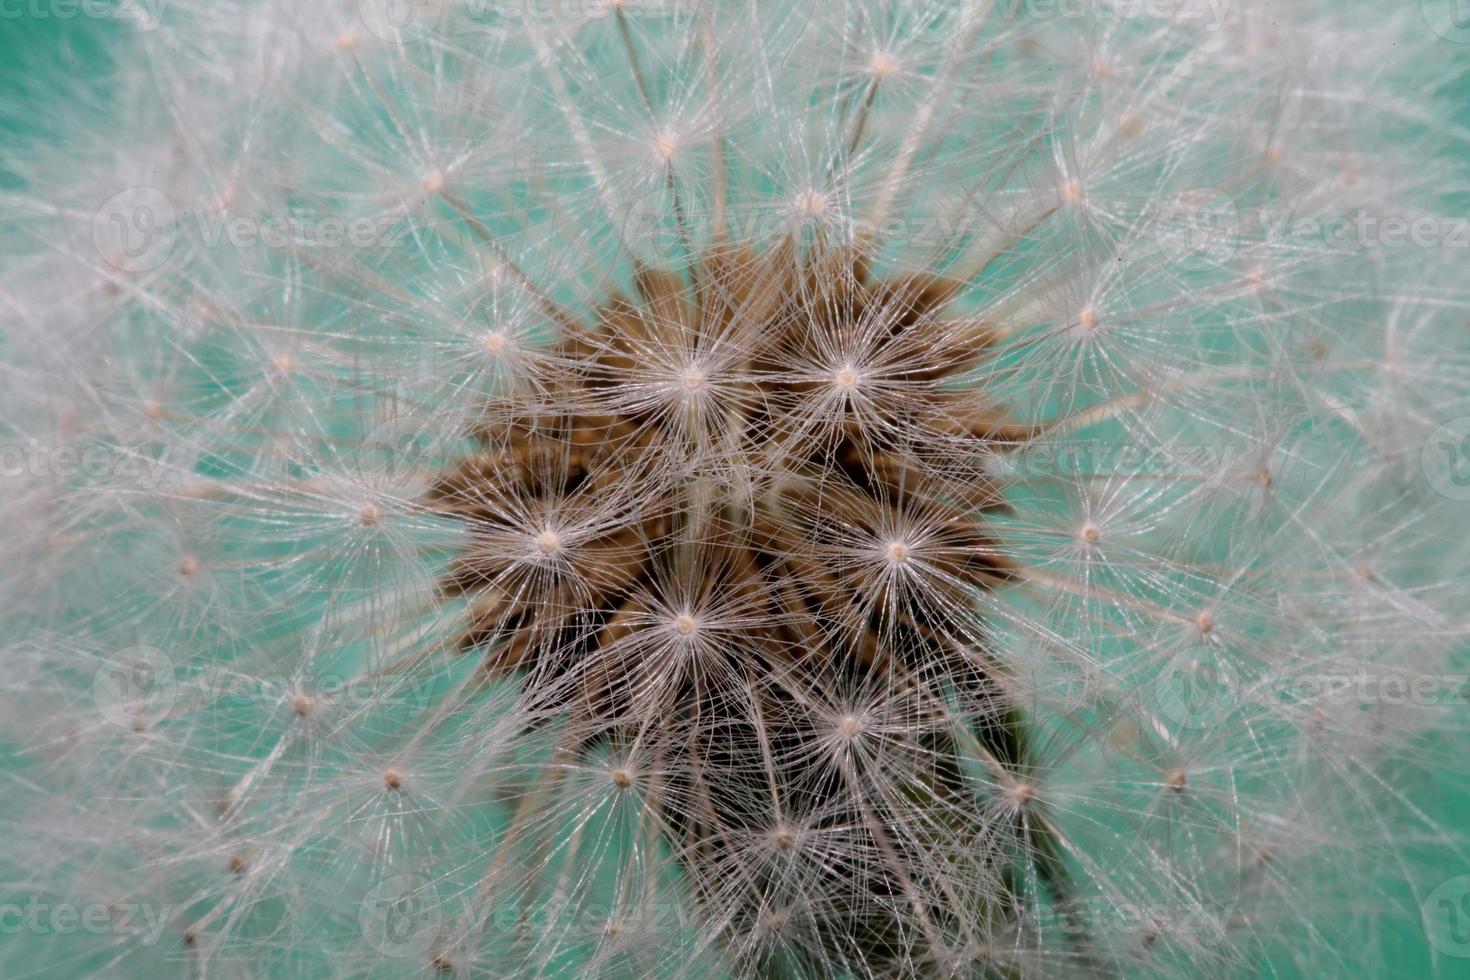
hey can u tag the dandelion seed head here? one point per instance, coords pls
(735, 397)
